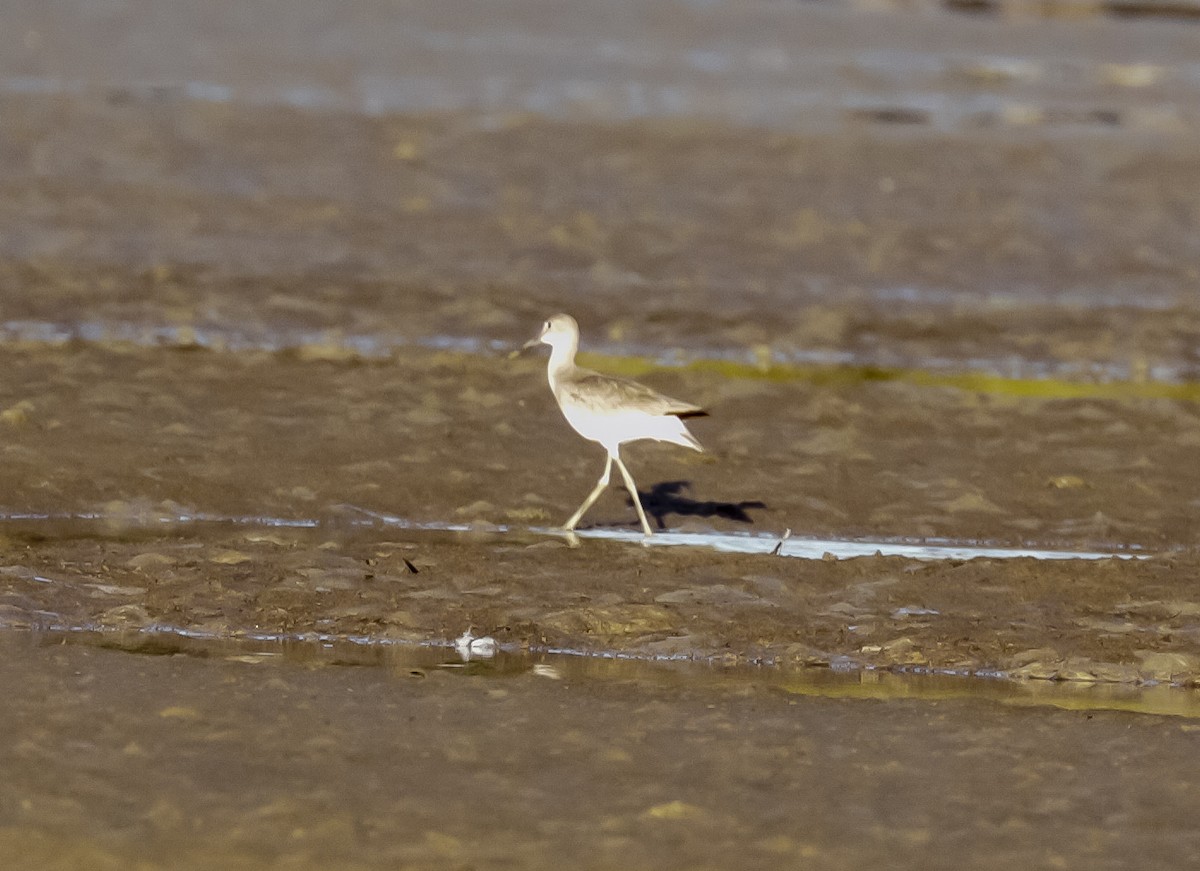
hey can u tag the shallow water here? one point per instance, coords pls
(816, 548)
(840, 680)
(761, 543)
(252, 759)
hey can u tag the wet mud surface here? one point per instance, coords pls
(1111, 621)
(254, 761)
(932, 273)
(442, 436)
(1071, 255)
(233, 452)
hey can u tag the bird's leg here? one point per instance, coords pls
(592, 497)
(637, 502)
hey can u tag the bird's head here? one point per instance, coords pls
(557, 331)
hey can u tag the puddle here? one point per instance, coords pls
(409, 660)
(883, 685)
(826, 548)
(800, 547)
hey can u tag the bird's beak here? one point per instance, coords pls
(532, 343)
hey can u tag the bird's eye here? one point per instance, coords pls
(546, 326)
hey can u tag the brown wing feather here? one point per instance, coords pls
(597, 390)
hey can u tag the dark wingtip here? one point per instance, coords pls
(684, 415)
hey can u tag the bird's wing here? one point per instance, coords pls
(594, 390)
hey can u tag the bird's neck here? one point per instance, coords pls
(562, 359)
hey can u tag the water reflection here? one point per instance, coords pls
(415, 661)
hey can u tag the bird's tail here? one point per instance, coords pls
(684, 437)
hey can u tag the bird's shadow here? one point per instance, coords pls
(669, 497)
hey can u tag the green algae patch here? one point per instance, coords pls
(1161, 699)
(844, 375)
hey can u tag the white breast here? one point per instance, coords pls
(613, 428)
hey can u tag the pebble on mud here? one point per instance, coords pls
(712, 594)
(1066, 482)
(1115, 672)
(1037, 670)
(115, 590)
(528, 515)
(17, 414)
(478, 509)
(1168, 666)
(230, 558)
(149, 560)
(179, 712)
(618, 620)
(674, 810)
(972, 503)
(1079, 669)
(126, 616)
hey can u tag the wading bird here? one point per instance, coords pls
(609, 410)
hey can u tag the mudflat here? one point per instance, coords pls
(265, 456)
